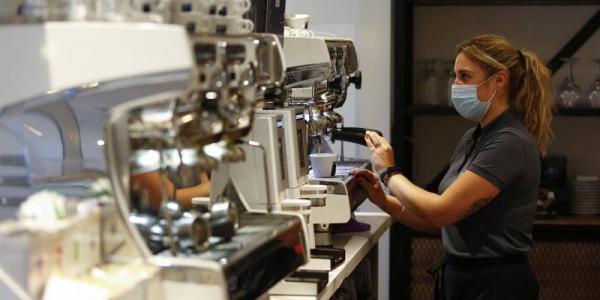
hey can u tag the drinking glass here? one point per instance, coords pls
(593, 95)
(569, 94)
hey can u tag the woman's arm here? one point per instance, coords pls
(151, 182)
(391, 205)
(400, 213)
(467, 194)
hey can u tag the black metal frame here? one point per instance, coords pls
(586, 31)
(402, 73)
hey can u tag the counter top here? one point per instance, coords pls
(357, 245)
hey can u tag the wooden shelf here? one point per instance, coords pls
(578, 112)
(449, 111)
(577, 220)
(568, 227)
(430, 110)
(504, 2)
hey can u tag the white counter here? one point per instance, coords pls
(357, 246)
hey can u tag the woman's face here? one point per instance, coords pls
(470, 73)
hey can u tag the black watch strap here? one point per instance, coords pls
(387, 173)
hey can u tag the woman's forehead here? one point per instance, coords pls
(464, 64)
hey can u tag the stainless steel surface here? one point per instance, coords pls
(339, 183)
(206, 120)
(41, 141)
(247, 258)
(323, 237)
(161, 124)
(344, 67)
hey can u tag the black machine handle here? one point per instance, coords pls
(356, 78)
(355, 135)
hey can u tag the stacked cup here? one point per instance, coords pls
(213, 16)
(584, 195)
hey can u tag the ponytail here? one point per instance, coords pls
(533, 101)
(529, 84)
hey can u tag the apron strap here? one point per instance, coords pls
(437, 270)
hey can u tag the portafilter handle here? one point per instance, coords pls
(356, 78)
(355, 135)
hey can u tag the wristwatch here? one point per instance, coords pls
(388, 173)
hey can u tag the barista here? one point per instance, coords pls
(150, 182)
(487, 199)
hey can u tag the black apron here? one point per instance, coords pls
(509, 277)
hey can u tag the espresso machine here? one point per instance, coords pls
(171, 100)
(205, 134)
(314, 88)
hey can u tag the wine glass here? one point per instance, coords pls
(593, 95)
(429, 84)
(569, 94)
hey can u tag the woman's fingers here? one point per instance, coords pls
(369, 143)
(377, 139)
(366, 174)
(366, 184)
(374, 138)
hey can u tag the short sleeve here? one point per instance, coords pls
(461, 145)
(500, 160)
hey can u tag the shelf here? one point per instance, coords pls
(568, 227)
(449, 111)
(430, 110)
(578, 112)
(504, 2)
(577, 220)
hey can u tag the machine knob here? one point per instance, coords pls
(356, 78)
(224, 219)
(274, 95)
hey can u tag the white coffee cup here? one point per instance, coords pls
(298, 21)
(236, 25)
(322, 163)
(235, 7)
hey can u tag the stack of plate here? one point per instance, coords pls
(584, 195)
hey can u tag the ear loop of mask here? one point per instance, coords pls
(495, 89)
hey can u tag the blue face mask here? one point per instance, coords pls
(466, 103)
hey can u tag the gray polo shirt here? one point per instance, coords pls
(505, 154)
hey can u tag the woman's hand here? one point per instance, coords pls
(370, 182)
(382, 154)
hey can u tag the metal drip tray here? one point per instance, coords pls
(247, 258)
(343, 168)
(357, 195)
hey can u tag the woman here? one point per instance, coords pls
(150, 182)
(487, 199)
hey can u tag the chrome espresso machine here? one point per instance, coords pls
(318, 83)
(299, 118)
(170, 103)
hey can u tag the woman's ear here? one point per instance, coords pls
(502, 78)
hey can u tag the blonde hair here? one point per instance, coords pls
(529, 84)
